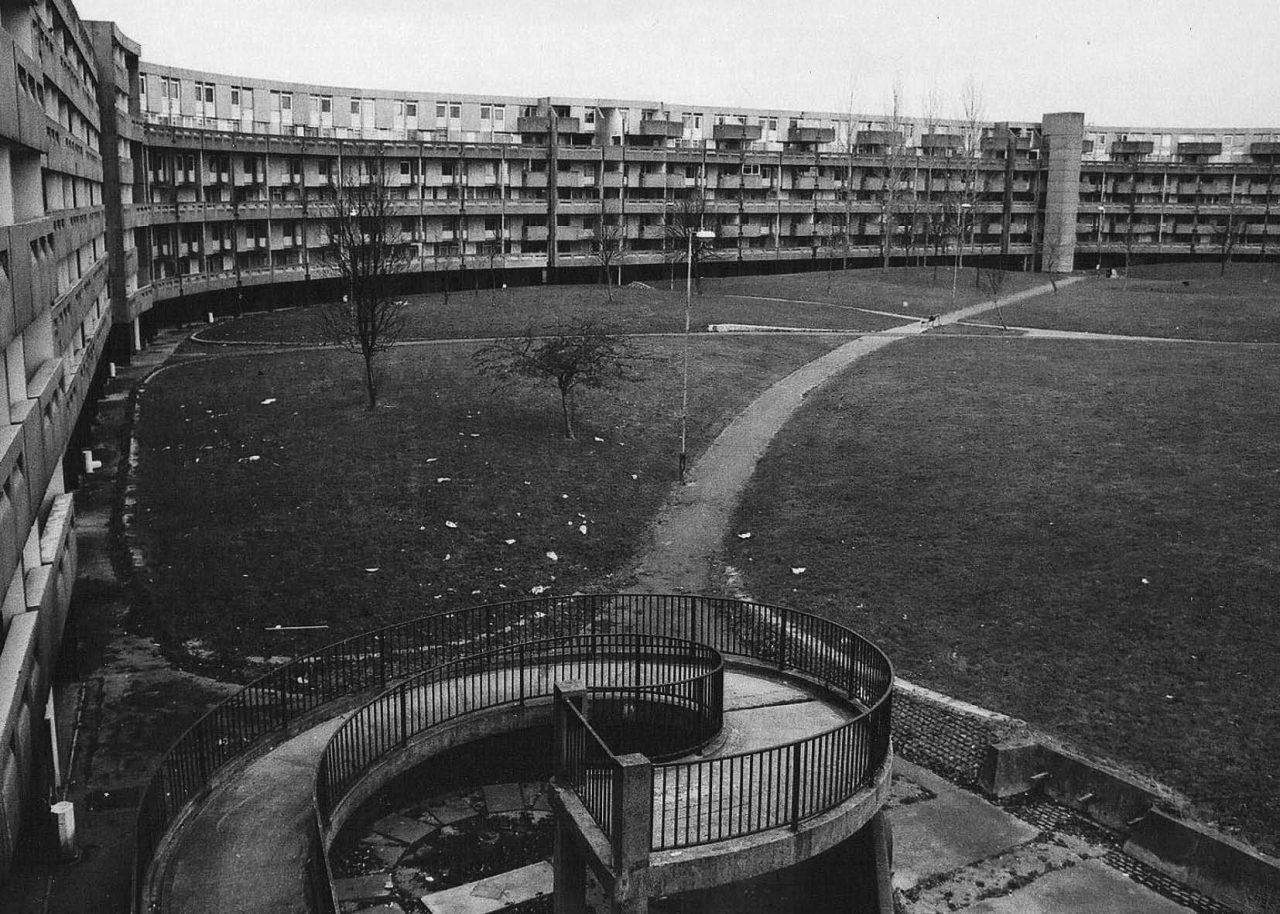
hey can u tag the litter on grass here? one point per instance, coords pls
(451, 525)
(538, 589)
(744, 536)
(800, 570)
(268, 401)
(552, 555)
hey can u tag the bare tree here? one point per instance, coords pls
(366, 251)
(583, 353)
(931, 111)
(1232, 229)
(893, 170)
(973, 108)
(606, 248)
(684, 220)
(993, 280)
(1051, 250)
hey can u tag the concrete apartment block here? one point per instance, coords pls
(54, 319)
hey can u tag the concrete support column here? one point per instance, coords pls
(137, 334)
(568, 862)
(633, 827)
(570, 868)
(859, 871)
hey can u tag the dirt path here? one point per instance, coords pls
(682, 556)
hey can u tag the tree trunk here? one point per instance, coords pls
(370, 381)
(566, 411)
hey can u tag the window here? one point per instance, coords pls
(405, 168)
(204, 93)
(355, 107)
(235, 96)
(773, 125)
(455, 111)
(590, 117)
(410, 109)
(440, 111)
(486, 112)
(499, 117)
(142, 87)
(326, 104)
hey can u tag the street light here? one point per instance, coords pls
(955, 264)
(702, 235)
(1102, 211)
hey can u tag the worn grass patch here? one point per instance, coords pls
(314, 510)
(1079, 534)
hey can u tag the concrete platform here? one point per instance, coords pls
(951, 830)
(1091, 887)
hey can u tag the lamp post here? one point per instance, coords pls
(1102, 211)
(955, 264)
(702, 235)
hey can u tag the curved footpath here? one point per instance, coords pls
(953, 850)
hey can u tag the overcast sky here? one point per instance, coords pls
(1122, 62)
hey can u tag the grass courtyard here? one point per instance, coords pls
(1075, 532)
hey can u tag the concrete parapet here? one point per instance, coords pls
(1109, 797)
(1214, 864)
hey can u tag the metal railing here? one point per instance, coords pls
(267, 707)
(634, 677)
(587, 764)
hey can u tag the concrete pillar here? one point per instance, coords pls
(857, 874)
(568, 863)
(570, 869)
(1064, 137)
(137, 334)
(633, 832)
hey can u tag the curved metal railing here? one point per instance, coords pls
(269, 706)
(669, 688)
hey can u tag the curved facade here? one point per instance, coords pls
(126, 185)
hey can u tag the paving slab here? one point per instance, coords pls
(389, 908)
(451, 810)
(952, 829)
(363, 888)
(389, 854)
(503, 797)
(495, 892)
(403, 829)
(743, 692)
(1091, 887)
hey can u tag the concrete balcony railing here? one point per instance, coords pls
(738, 132)
(811, 135)
(1199, 149)
(662, 128)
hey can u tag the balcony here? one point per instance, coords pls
(535, 233)
(811, 135)
(1132, 147)
(541, 123)
(1199, 149)
(1264, 149)
(941, 143)
(735, 132)
(878, 138)
(671, 130)
(734, 182)
(649, 179)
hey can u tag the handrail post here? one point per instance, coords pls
(782, 639)
(795, 786)
(404, 714)
(566, 693)
(632, 826)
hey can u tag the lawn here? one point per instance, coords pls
(828, 301)
(1167, 301)
(270, 495)
(1081, 534)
